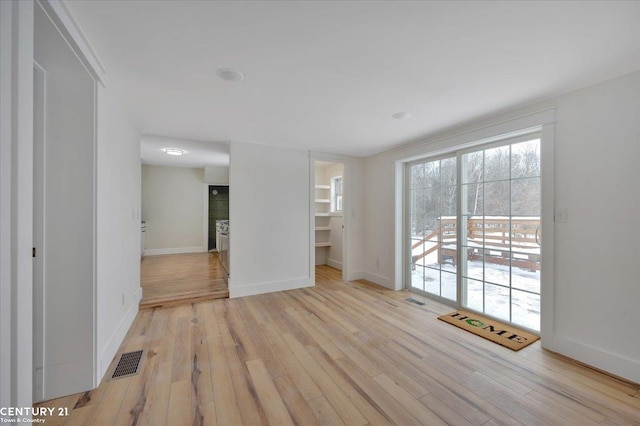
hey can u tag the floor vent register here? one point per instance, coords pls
(128, 365)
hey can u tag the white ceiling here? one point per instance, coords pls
(328, 75)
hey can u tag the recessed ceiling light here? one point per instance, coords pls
(401, 115)
(174, 151)
(229, 74)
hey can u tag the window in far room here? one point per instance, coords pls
(336, 194)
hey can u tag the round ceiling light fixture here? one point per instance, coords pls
(401, 115)
(174, 151)
(228, 74)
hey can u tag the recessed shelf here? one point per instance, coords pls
(321, 201)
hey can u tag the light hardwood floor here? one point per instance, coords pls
(340, 353)
(174, 279)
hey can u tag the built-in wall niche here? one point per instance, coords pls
(329, 224)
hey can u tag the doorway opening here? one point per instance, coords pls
(218, 213)
(329, 201)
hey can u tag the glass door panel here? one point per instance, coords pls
(501, 201)
(432, 227)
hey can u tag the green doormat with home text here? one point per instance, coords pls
(495, 331)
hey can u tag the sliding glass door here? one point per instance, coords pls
(487, 250)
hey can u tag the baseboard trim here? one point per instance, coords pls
(379, 279)
(625, 368)
(356, 275)
(118, 337)
(267, 287)
(334, 264)
(176, 250)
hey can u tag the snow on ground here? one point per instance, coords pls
(525, 309)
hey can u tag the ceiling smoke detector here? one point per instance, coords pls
(228, 74)
(401, 115)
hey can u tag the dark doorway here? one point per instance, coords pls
(218, 210)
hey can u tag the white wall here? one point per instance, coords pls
(597, 268)
(354, 218)
(269, 219)
(379, 202)
(216, 175)
(334, 255)
(118, 227)
(172, 206)
(597, 145)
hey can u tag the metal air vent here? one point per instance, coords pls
(128, 365)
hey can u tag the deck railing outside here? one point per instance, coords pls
(496, 239)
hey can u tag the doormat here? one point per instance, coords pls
(495, 331)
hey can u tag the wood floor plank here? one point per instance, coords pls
(295, 403)
(208, 412)
(390, 406)
(108, 410)
(502, 397)
(320, 309)
(393, 368)
(246, 396)
(305, 384)
(181, 408)
(563, 411)
(343, 406)
(155, 410)
(268, 395)
(624, 392)
(263, 348)
(224, 396)
(450, 397)
(444, 411)
(221, 311)
(181, 361)
(363, 402)
(324, 412)
(472, 406)
(318, 337)
(412, 405)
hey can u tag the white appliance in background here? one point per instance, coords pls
(219, 224)
(143, 228)
(222, 236)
